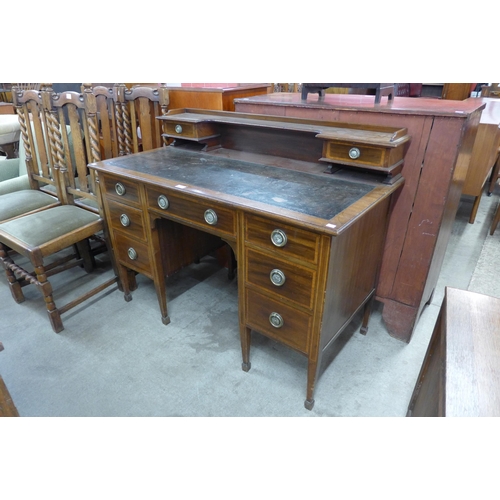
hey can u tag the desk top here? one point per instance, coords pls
(324, 201)
(398, 105)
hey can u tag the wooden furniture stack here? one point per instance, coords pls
(460, 375)
(303, 204)
(436, 163)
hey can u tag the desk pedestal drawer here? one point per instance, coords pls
(280, 277)
(132, 253)
(276, 320)
(125, 218)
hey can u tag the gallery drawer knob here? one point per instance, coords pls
(354, 153)
(163, 202)
(210, 217)
(278, 237)
(132, 254)
(277, 277)
(178, 129)
(120, 189)
(276, 320)
(125, 220)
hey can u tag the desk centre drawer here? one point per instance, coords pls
(280, 277)
(207, 216)
(277, 320)
(128, 219)
(286, 240)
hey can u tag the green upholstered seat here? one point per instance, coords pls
(41, 227)
(22, 202)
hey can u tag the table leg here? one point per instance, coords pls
(245, 337)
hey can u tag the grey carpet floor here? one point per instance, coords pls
(117, 359)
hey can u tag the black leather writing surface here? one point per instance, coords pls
(320, 196)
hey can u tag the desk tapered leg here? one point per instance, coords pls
(312, 375)
(245, 335)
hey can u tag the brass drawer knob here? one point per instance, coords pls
(120, 189)
(178, 129)
(276, 320)
(354, 153)
(132, 254)
(277, 277)
(210, 217)
(163, 202)
(124, 220)
(278, 237)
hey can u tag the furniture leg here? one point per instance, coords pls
(14, 286)
(245, 337)
(494, 176)
(367, 311)
(312, 375)
(475, 206)
(86, 255)
(46, 288)
(496, 219)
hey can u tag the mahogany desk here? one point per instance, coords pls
(436, 164)
(308, 235)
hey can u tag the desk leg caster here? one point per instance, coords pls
(165, 320)
(309, 403)
(246, 366)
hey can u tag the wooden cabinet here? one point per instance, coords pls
(460, 374)
(435, 168)
(484, 153)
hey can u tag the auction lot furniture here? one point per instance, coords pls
(460, 375)
(484, 153)
(303, 205)
(435, 167)
(7, 406)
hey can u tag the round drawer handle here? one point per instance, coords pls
(354, 153)
(120, 189)
(277, 277)
(125, 220)
(132, 254)
(276, 320)
(210, 217)
(163, 202)
(278, 237)
(178, 129)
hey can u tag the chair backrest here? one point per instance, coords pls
(106, 109)
(74, 143)
(138, 129)
(34, 138)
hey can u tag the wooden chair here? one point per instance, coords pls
(106, 109)
(71, 224)
(34, 154)
(138, 129)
